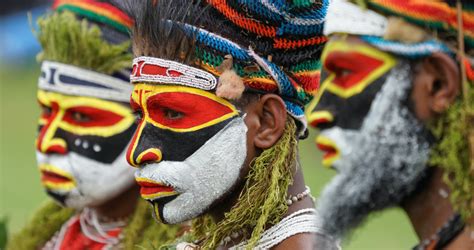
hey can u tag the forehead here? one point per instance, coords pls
(75, 81)
(350, 43)
(69, 101)
(145, 90)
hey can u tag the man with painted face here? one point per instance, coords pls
(84, 129)
(220, 110)
(389, 107)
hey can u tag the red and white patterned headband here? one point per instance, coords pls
(156, 70)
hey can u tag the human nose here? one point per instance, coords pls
(141, 149)
(48, 141)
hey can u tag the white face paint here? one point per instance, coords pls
(204, 177)
(380, 164)
(78, 181)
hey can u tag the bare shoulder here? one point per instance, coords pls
(298, 241)
(313, 241)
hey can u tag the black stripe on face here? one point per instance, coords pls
(175, 146)
(349, 113)
(102, 149)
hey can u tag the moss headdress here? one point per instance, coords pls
(91, 35)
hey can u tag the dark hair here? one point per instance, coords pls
(159, 28)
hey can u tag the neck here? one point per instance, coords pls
(297, 187)
(430, 209)
(121, 206)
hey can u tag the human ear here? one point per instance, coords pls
(436, 85)
(271, 115)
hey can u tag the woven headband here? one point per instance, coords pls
(346, 17)
(72, 80)
(156, 70)
(97, 11)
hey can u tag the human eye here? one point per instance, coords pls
(138, 114)
(80, 117)
(171, 114)
(339, 67)
(46, 111)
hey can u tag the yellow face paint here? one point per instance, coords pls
(200, 108)
(108, 118)
(331, 152)
(350, 67)
(56, 179)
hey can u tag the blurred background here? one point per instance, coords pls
(20, 189)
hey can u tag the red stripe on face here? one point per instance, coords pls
(135, 106)
(91, 117)
(182, 110)
(44, 129)
(133, 144)
(350, 68)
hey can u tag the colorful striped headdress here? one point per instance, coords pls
(273, 46)
(432, 24)
(86, 49)
(97, 11)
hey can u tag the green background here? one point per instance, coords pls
(21, 192)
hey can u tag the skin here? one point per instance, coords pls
(265, 120)
(116, 207)
(120, 206)
(429, 210)
(436, 85)
(266, 123)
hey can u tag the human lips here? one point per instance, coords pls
(56, 179)
(152, 190)
(329, 148)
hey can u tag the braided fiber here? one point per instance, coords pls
(262, 201)
(452, 154)
(453, 151)
(144, 232)
(141, 231)
(43, 225)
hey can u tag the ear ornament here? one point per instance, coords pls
(230, 85)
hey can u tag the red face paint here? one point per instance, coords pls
(184, 110)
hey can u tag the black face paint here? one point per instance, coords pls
(348, 113)
(102, 149)
(175, 146)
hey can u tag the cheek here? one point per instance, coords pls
(101, 149)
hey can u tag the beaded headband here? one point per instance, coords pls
(149, 69)
(257, 46)
(72, 80)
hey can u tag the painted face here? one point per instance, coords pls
(190, 146)
(368, 133)
(352, 76)
(81, 148)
